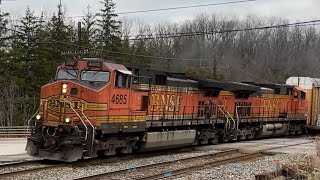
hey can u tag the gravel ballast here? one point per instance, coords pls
(242, 171)
(74, 172)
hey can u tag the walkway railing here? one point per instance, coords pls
(14, 131)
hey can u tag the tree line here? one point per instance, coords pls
(32, 48)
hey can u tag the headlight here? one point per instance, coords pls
(38, 117)
(67, 120)
(64, 88)
(64, 91)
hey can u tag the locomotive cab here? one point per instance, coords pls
(74, 104)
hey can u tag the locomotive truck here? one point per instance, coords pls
(100, 108)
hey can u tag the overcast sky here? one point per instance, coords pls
(291, 9)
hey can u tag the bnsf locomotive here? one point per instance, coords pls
(98, 108)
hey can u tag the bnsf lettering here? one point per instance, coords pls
(271, 104)
(54, 103)
(162, 102)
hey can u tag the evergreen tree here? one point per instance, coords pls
(3, 39)
(24, 62)
(57, 30)
(43, 65)
(27, 37)
(108, 32)
(3, 27)
(61, 37)
(23, 52)
(88, 32)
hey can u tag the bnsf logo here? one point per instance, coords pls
(56, 104)
(162, 102)
(271, 104)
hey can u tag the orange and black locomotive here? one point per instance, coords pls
(99, 108)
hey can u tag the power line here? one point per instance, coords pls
(186, 7)
(163, 9)
(177, 35)
(288, 25)
(165, 58)
(148, 56)
(129, 54)
(188, 34)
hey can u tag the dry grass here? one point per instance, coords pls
(313, 162)
(309, 167)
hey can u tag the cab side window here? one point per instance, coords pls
(121, 80)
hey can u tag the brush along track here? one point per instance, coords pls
(153, 169)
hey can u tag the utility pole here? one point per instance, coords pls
(79, 38)
(214, 68)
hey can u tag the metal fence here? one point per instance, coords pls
(14, 131)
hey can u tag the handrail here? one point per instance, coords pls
(86, 137)
(237, 113)
(238, 117)
(234, 122)
(228, 121)
(226, 114)
(93, 128)
(34, 115)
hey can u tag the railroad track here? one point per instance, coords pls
(16, 164)
(210, 164)
(154, 171)
(150, 171)
(19, 168)
(177, 167)
(25, 167)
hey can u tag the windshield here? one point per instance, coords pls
(67, 74)
(95, 76)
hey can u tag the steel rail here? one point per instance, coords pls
(20, 172)
(15, 164)
(153, 165)
(86, 162)
(245, 157)
(259, 153)
(203, 166)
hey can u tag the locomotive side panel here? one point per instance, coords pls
(170, 105)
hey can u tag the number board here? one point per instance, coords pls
(94, 64)
(119, 99)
